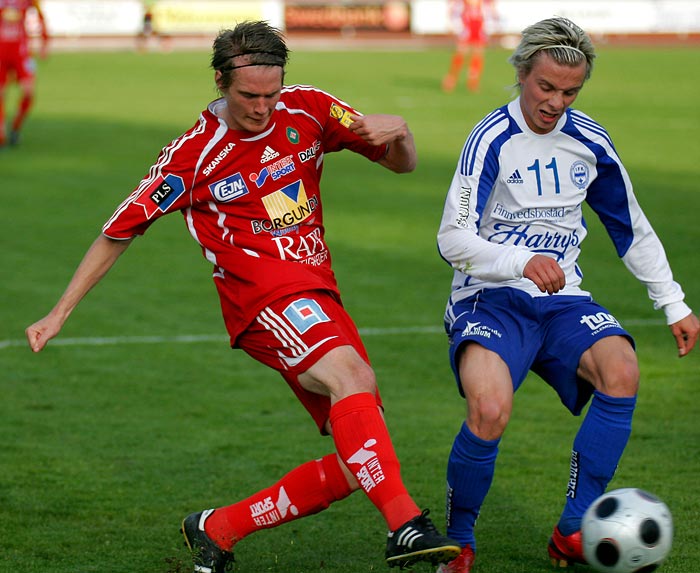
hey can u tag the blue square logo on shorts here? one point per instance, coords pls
(304, 313)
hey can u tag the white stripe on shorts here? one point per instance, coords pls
(278, 326)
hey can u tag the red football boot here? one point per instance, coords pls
(460, 564)
(565, 551)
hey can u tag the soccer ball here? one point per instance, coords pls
(626, 531)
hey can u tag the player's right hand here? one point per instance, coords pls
(546, 273)
(39, 333)
(686, 333)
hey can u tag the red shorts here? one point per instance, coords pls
(473, 33)
(18, 62)
(293, 333)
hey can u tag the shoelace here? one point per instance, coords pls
(426, 522)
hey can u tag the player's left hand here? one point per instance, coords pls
(378, 129)
(686, 333)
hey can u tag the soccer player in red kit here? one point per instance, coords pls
(469, 17)
(246, 178)
(16, 61)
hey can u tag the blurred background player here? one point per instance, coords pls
(512, 230)
(468, 17)
(16, 62)
(149, 30)
(146, 28)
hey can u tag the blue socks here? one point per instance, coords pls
(597, 450)
(598, 447)
(470, 470)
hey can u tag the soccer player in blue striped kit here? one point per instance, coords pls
(512, 230)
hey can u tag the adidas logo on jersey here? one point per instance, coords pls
(268, 155)
(515, 178)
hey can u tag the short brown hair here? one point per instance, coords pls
(260, 43)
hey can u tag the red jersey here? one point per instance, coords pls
(13, 15)
(251, 200)
(469, 17)
(472, 11)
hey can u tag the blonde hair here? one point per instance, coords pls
(565, 42)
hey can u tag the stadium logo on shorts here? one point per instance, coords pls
(579, 174)
(477, 329)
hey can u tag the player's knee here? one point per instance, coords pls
(351, 375)
(361, 377)
(488, 418)
(621, 379)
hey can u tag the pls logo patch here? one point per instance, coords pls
(161, 194)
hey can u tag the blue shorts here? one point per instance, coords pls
(545, 334)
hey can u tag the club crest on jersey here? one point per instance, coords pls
(342, 115)
(292, 135)
(228, 189)
(579, 174)
(304, 313)
(286, 207)
(160, 194)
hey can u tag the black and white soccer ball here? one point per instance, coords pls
(627, 531)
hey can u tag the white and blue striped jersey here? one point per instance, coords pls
(516, 193)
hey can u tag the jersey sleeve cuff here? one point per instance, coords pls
(676, 311)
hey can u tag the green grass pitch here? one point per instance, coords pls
(124, 425)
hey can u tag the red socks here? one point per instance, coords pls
(22, 111)
(306, 490)
(363, 443)
(2, 122)
(476, 65)
(456, 64)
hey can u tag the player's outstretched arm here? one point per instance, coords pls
(97, 261)
(391, 130)
(686, 333)
(44, 31)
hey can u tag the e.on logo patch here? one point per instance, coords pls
(229, 189)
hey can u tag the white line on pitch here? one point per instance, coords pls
(194, 338)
